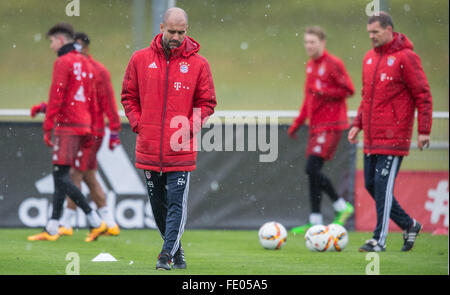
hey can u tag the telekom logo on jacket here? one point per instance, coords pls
(178, 86)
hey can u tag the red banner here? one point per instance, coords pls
(422, 194)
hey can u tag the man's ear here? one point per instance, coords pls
(161, 27)
(390, 29)
(62, 39)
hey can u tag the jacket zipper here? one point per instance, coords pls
(371, 101)
(163, 118)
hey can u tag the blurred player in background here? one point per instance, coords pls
(72, 104)
(394, 86)
(88, 163)
(163, 83)
(327, 87)
(86, 168)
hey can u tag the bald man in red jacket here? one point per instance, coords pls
(167, 93)
(327, 87)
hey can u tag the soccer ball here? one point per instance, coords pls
(272, 235)
(340, 237)
(318, 238)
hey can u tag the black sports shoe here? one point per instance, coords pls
(371, 246)
(410, 235)
(163, 262)
(178, 259)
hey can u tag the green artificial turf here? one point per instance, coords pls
(218, 252)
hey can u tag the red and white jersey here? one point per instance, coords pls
(326, 88)
(72, 102)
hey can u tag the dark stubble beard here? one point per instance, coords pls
(166, 44)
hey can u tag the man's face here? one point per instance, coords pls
(56, 42)
(378, 34)
(313, 45)
(173, 32)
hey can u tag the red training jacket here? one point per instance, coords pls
(72, 100)
(394, 85)
(105, 99)
(327, 86)
(159, 96)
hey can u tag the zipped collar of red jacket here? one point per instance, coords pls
(321, 58)
(188, 47)
(399, 41)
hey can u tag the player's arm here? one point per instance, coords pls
(300, 120)
(357, 121)
(341, 85)
(417, 83)
(109, 102)
(130, 96)
(38, 108)
(109, 106)
(90, 88)
(204, 98)
(58, 91)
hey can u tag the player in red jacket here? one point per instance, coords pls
(167, 93)
(87, 169)
(327, 87)
(86, 165)
(69, 113)
(394, 86)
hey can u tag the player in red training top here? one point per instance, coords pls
(326, 89)
(70, 115)
(87, 169)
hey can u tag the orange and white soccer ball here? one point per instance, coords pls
(321, 238)
(318, 238)
(272, 235)
(339, 235)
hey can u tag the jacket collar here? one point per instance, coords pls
(400, 41)
(188, 47)
(322, 57)
(66, 49)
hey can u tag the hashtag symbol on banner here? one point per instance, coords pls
(439, 206)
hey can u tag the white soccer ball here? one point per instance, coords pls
(340, 237)
(272, 235)
(318, 238)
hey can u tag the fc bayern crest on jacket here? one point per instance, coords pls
(184, 67)
(390, 60)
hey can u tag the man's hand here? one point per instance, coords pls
(114, 140)
(48, 138)
(39, 108)
(292, 131)
(353, 135)
(423, 141)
